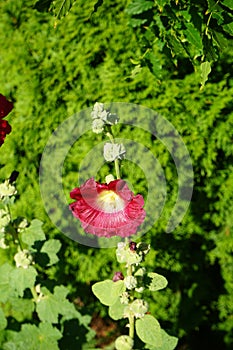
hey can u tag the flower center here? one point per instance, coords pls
(110, 202)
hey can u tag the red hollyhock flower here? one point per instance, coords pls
(107, 210)
(5, 129)
(5, 106)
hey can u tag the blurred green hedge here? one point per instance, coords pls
(52, 74)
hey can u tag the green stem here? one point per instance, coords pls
(131, 326)
(116, 161)
(117, 168)
(13, 231)
(34, 294)
(129, 270)
(131, 317)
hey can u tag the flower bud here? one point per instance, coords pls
(113, 151)
(117, 276)
(124, 298)
(133, 246)
(109, 178)
(97, 110)
(23, 259)
(125, 255)
(130, 282)
(124, 342)
(6, 189)
(139, 308)
(97, 126)
(4, 219)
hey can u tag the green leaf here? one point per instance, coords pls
(139, 6)
(108, 291)
(3, 320)
(51, 247)
(228, 3)
(157, 281)
(33, 233)
(5, 286)
(21, 309)
(34, 338)
(116, 311)
(153, 63)
(168, 342)
(50, 305)
(21, 279)
(228, 28)
(193, 37)
(62, 7)
(148, 330)
(205, 71)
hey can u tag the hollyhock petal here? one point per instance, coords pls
(107, 210)
(5, 106)
(5, 129)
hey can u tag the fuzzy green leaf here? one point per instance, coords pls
(116, 311)
(21, 279)
(108, 291)
(33, 233)
(205, 71)
(49, 306)
(51, 247)
(168, 342)
(5, 286)
(157, 281)
(21, 309)
(45, 336)
(148, 330)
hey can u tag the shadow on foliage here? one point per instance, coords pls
(199, 285)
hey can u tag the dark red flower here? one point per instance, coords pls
(5, 106)
(5, 129)
(107, 210)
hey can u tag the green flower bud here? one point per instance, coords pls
(130, 282)
(124, 298)
(139, 308)
(2, 241)
(125, 255)
(6, 189)
(113, 151)
(97, 126)
(23, 259)
(97, 110)
(109, 178)
(124, 342)
(4, 219)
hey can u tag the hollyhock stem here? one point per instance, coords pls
(116, 161)
(131, 317)
(131, 326)
(13, 231)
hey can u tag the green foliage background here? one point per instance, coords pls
(52, 73)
